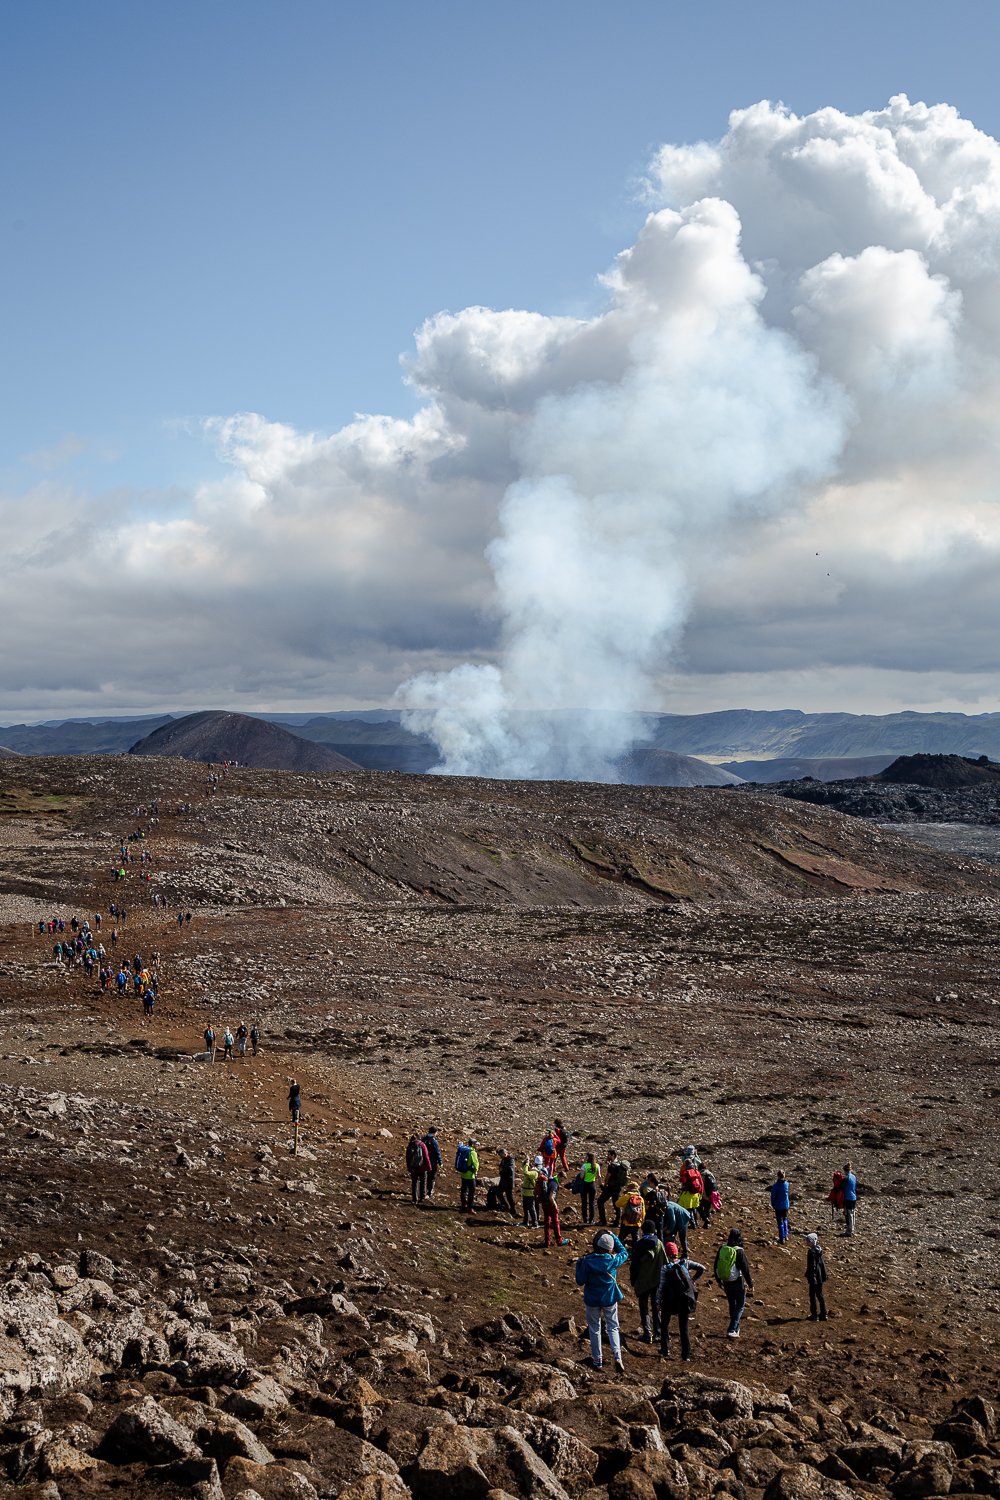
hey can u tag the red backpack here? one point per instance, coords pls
(693, 1180)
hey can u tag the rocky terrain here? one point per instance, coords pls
(190, 1308)
(216, 737)
(913, 789)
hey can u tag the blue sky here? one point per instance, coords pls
(218, 208)
(211, 208)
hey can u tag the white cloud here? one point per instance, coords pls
(770, 458)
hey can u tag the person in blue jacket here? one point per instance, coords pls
(850, 1198)
(675, 1222)
(597, 1274)
(780, 1204)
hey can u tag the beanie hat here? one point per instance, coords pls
(538, 1162)
(671, 1248)
(813, 1239)
(604, 1243)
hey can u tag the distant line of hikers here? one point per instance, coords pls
(653, 1228)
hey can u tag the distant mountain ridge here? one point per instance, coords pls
(213, 737)
(376, 739)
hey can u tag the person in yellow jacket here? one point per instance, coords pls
(470, 1173)
(632, 1209)
(529, 1203)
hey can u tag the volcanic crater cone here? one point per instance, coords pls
(215, 736)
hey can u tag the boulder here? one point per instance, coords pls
(650, 1476)
(465, 1463)
(270, 1481)
(262, 1398)
(926, 1470)
(145, 1433)
(207, 1358)
(800, 1482)
(40, 1354)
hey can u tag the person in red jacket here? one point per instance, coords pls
(546, 1188)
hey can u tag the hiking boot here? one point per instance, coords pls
(619, 1367)
(813, 1317)
(823, 1318)
(562, 1242)
(733, 1335)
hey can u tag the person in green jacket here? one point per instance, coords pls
(467, 1202)
(645, 1264)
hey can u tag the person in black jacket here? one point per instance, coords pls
(436, 1155)
(678, 1298)
(615, 1179)
(815, 1279)
(505, 1194)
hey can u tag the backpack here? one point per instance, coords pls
(693, 1180)
(725, 1262)
(462, 1157)
(634, 1210)
(576, 1186)
(548, 1147)
(678, 1288)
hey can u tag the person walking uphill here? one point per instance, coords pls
(850, 1199)
(596, 1273)
(816, 1279)
(648, 1260)
(732, 1272)
(467, 1167)
(546, 1189)
(614, 1182)
(780, 1201)
(529, 1203)
(590, 1173)
(436, 1156)
(418, 1164)
(677, 1298)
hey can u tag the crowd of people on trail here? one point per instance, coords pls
(652, 1221)
(232, 1045)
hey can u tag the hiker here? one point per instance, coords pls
(675, 1221)
(254, 1038)
(614, 1183)
(227, 1045)
(435, 1156)
(547, 1151)
(241, 1039)
(780, 1203)
(529, 1203)
(467, 1165)
(546, 1190)
(677, 1296)
(732, 1272)
(561, 1138)
(418, 1164)
(632, 1209)
(295, 1101)
(710, 1198)
(590, 1175)
(692, 1182)
(645, 1264)
(209, 1032)
(816, 1279)
(597, 1274)
(850, 1200)
(505, 1192)
(835, 1197)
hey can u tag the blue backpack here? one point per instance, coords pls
(462, 1158)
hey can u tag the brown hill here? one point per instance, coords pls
(946, 773)
(216, 736)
